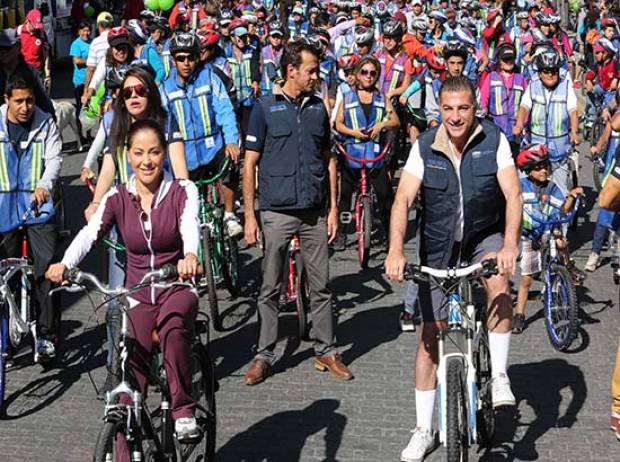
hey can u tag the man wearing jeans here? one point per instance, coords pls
(288, 141)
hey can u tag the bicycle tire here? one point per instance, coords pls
(598, 172)
(207, 255)
(105, 446)
(485, 416)
(366, 232)
(559, 284)
(302, 298)
(230, 266)
(4, 350)
(456, 413)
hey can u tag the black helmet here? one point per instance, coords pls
(455, 48)
(393, 28)
(185, 41)
(160, 23)
(548, 59)
(115, 76)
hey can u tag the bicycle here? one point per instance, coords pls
(149, 435)
(464, 386)
(363, 204)
(219, 253)
(560, 304)
(297, 287)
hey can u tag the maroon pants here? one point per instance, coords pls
(173, 317)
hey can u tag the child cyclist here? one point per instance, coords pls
(542, 201)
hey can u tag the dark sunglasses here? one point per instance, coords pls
(184, 58)
(139, 89)
(122, 47)
(542, 166)
(372, 73)
(549, 71)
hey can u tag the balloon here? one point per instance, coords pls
(166, 4)
(89, 11)
(152, 4)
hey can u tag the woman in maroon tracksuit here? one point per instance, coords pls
(157, 217)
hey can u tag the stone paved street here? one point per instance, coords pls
(302, 415)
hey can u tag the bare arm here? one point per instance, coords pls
(508, 180)
(609, 197)
(104, 183)
(249, 185)
(177, 160)
(332, 218)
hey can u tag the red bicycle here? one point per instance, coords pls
(363, 204)
(297, 287)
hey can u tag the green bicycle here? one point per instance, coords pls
(219, 253)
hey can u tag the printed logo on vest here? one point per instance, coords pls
(277, 108)
(437, 164)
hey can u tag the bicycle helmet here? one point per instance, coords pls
(115, 76)
(393, 28)
(363, 35)
(147, 15)
(465, 37)
(454, 48)
(549, 59)
(275, 28)
(318, 43)
(185, 41)
(523, 15)
(538, 38)
(468, 23)
(435, 62)
(438, 16)
(313, 10)
(543, 19)
(608, 22)
(208, 38)
(225, 17)
(381, 10)
(420, 25)
(118, 36)
(136, 31)
(555, 18)
(162, 24)
(607, 45)
(531, 156)
(348, 62)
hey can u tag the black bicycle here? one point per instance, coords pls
(148, 434)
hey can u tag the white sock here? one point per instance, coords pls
(499, 344)
(229, 214)
(424, 407)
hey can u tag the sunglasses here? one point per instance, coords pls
(369, 73)
(122, 47)
(542, 166)
(184, 58)
(139, 89)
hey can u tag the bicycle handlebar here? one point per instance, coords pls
(344, 153)
(216, 177)
(10, 266)
(485, 268)
(551, 223)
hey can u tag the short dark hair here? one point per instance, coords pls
(82, 24)
(459, 83)
(292, 54)
(146, 124)
(19, 81)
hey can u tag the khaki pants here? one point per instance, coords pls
(615, 385)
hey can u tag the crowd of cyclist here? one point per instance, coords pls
(200, 70)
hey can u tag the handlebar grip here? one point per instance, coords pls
(489, 267)
(71, 274)
(169, 272)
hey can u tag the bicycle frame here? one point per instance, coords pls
(292, 268)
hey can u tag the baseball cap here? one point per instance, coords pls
(8, 38)
(35, 18)
(240, 31)
(298, 10)
(506, 52)
(416, 2)
(104, 16)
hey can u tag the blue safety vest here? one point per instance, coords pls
(355, 119)
(242, 76)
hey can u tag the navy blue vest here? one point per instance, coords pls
(292, 173)
(484, 205)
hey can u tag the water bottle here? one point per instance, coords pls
(454, 305)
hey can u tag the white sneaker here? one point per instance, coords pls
(592, 262)
(233, 226)
(502, 394)
(45, 351)
(186, 429)
(421, 443)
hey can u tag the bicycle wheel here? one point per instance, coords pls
(456, 412)
(485, 415)
(4, 350)
(207, 255)
(363, 243)
(561, 316)
(111, 437)
(598, 171)
(302, 299)
(230, 265)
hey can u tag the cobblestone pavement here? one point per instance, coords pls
(302, 415)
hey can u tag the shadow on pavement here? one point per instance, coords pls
(539, 385)
(282, 436)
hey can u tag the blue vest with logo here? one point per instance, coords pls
(292, 173)
(192, 106)
(355, 119)
(504, 106)
(242, 76)
(484, 205)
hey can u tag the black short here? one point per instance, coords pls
(230, 177)
(416, 118)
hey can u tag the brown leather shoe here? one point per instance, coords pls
(334, 365)
(259, 370)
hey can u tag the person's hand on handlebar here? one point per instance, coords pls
(55, 273)
(360, 135)
(575, 138)
(40, 196)
(232, 151)
(507, 259)
(188, 267)
(375, 131)
(395, 266)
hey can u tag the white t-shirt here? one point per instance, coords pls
(415, 167)
(571, 98)
(98, 48)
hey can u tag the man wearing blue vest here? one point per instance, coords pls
(197, 98)
(289, 142)
(471, 208)
(30, 162)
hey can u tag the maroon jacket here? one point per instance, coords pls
(171, 233)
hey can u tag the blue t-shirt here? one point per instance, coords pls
(79, 49)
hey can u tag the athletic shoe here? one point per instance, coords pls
(233, 226)
(592, 262)
(422, 442)
(614, 421)
(407, 321)
(502, 394)
(340, 243)
(186, 429)
(45, 351)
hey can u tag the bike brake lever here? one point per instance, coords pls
(69, 288)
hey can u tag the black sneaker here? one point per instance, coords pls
(340, 242)
(518, 323)
(407, 321)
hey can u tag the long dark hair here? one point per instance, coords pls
(109, 57)
(121, 121)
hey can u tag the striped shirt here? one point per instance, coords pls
(98, 49)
